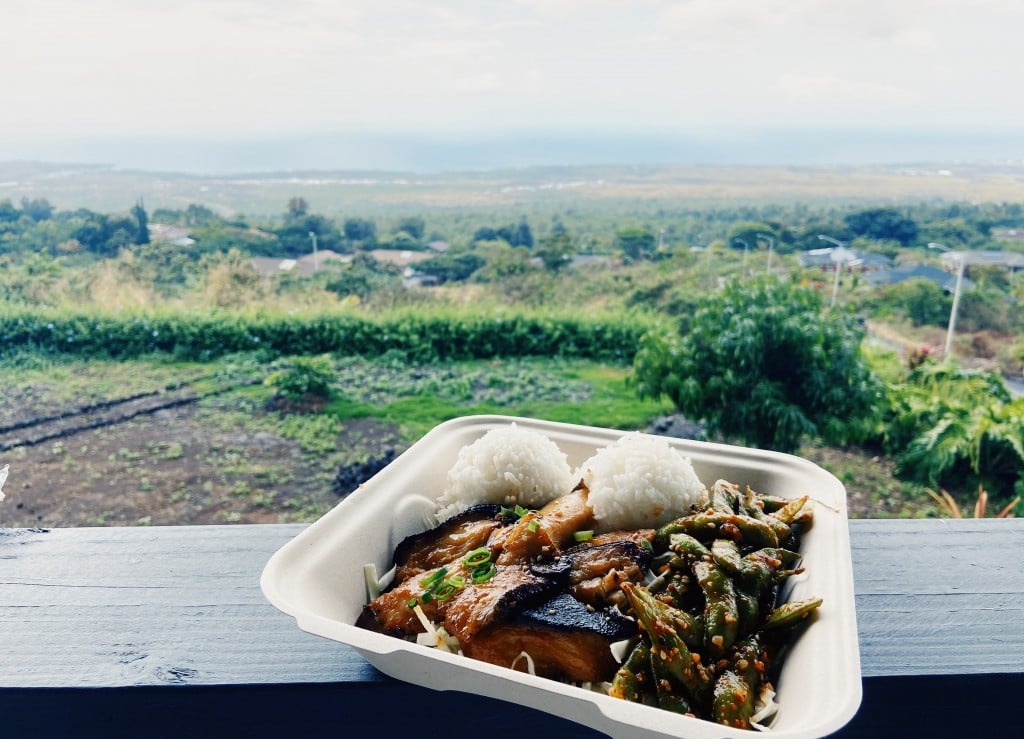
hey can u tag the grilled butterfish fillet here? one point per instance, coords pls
(448, 542)
(564, 638)
(546, 532)
(478, 605)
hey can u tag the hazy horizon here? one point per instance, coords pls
(471, 151)
(252, 85)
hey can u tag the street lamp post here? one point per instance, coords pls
(959, 257)
(771, 245)
(745, 247)
(312, 236)
(835, 284)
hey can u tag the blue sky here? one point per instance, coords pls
(231, 70)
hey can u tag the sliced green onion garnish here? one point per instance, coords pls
(445, 591)
(456, 581)
(433, 578)
(644, 544)
(413, 602)
(477, 557)
(583, 535)
(505, 511)
(520, 511)
(427, 597)
(533, 524)
(484, 572)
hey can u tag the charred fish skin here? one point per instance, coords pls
(448, 541)
(594, 574)
(563, 613)
(598, 572)
(566, 640)
(479, 605)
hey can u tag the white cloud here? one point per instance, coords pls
(853, 93)
(254, 66)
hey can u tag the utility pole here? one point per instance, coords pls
(960, 261)
(745, 247)
(771, 245)
(835, 260)
(312, 236)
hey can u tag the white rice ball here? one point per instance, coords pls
(640, 481)
(509, 466)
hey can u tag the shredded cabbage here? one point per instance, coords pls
(766, 708)
(529, 663)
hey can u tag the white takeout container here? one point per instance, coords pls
(318, 579)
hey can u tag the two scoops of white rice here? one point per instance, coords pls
(639, 481)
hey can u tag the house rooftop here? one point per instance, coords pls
(921, 271)
(984, 258)
(843, 256)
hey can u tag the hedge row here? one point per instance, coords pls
(417, 337)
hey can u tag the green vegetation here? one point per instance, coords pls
(763, 363)
(957, 429)
(539, 306)
(301, 377)
(440, 335)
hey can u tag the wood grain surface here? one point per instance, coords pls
(98, 621)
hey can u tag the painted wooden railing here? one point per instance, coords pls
(163, 631)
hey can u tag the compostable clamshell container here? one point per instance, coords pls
(318, 579)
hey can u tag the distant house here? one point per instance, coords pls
(1011, 260)
(412, 278)
(270, 266)
(589, 260)
(940, 277)
(845, 257)
(399, 257)
(305, 265)
(438, 247)
(1008, 234)
(176, 235)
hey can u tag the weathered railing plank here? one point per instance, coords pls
(97, 624)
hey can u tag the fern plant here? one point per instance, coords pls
(948, 424)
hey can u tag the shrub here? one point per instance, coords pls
(423, 336)
(302, 377)
(763, 363)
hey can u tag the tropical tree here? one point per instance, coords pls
(360, 230)
(762, 362)
(38, 209)
(361, 277)
(142, 223)
(412, 225)
(453, 265)
(521, 235)
(556, 250)
(920, 300)
(957, 428)
(884, 224)
(635, 243)
(297, 207)
(8, 213)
